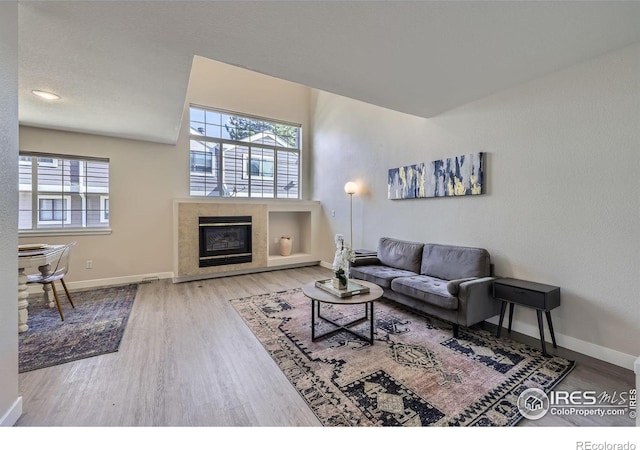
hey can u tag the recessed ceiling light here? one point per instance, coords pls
(46, 95)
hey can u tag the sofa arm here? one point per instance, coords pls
(365, 261)
(453, 286)
(476, 302)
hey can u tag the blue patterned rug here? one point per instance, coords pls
(94, 327)
(415, 373)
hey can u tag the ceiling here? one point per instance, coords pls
(122, 68)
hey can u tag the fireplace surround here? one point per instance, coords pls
(270, 219)
(224, 240)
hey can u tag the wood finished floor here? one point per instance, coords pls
(188, 359)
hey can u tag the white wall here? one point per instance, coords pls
(563, 198)
(146, 177)
(10, 402)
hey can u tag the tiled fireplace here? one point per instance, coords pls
(239, 246)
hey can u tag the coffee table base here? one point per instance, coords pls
(368, 315)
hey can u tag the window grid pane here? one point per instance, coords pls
(288, 165)
(250, 163)
(68, 193)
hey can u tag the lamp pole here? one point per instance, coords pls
(351, 219)
(351, 188)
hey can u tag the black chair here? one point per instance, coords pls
(61, 268)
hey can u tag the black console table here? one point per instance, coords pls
(541, 297)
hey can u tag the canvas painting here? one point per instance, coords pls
(407, 181)
(455, 176)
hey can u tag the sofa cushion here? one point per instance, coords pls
(399, 254)
(450, 262)
(380, 275)
(428, 289)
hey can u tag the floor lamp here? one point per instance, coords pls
(351, 188)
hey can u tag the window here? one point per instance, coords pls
(259, 168)
(104, 209)
(62, 192)
(233, 155)
(54, 210)
(201, 162)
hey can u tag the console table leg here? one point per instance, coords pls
(371, 324)
(503, 308)
(553, 336)
(510, 316)
(313, 319)
(541, 327)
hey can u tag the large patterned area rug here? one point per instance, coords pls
(94, 327)
(415, 373)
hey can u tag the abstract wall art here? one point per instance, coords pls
(451, 177)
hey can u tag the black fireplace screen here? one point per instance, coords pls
(225, 240)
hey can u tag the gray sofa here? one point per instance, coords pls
(446, 281)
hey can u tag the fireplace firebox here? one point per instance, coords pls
(225, 240)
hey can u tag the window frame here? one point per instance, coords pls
(64, 190)
(218, 160)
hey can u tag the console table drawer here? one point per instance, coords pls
(520, 296)
(525, 293)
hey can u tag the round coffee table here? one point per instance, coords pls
(319, 296)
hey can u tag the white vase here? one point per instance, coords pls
(285, 245)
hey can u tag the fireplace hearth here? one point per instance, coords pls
(225, 240)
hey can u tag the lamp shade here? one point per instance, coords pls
(351, 187)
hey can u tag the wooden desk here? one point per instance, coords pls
(27, 262)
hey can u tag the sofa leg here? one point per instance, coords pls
(456, 330)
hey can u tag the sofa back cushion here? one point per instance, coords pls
(450, 262)
(399, 254)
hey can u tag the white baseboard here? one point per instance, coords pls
(12, 415)
(326, 265)
(104, 282)
(577, 345)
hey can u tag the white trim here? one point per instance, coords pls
(102, 282)
(64, 232)
(577, 345)
(13, 414)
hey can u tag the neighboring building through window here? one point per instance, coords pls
(54, 210)
(62, 192)
(233, 155)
